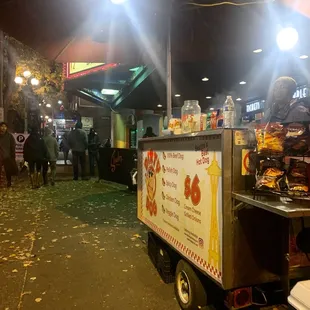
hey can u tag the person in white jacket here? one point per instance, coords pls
(52, 156)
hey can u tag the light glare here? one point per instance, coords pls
(48, 105)
(205, 79)
(287, 38)
(303, 56)
(111, 92)
(118, 1)
(159, 106)
(18, 80)
(242, 83)
(208, 97)
(27, 73)
(257, 51)
(177, 95)
(238, 99)
(34, 82)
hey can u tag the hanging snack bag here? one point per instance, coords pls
(270, 175)
(270, 138)
(297, 140)
(297, 178)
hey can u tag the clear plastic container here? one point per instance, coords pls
(229, 113)
(191, 113)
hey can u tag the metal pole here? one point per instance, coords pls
(26, 115)
(169, 81)
(1, 68)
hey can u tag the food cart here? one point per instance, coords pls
(219, 238)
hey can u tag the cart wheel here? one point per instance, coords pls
(188, 288)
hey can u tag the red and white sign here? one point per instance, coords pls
(248, 162)
(181, 199)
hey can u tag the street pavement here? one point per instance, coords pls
(77, 245)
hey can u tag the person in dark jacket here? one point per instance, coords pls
(7, 152)
(149, 133)
(52, 156)
(35, 153)
(77, 140)
(108, 143)
(64, 146)
(283, 108)
(93, 150)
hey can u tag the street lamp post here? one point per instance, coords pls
(28, 81)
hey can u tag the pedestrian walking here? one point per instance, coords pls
(64, 146)
(35, 153)
(7, 154)
(52, 156)
(93, 150)
(78, 144)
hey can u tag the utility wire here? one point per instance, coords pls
(228, 3)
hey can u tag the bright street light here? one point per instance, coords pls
(49, 120)
(59, 102)
(18, 80)
(48, 105)
(34, 82)
(26, 74)
(287, 38)
(118, 1)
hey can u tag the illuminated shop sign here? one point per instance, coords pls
(75, 67)
(255, 106)
(301, 92)
(78, 69)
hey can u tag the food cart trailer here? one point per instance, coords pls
(195, 194)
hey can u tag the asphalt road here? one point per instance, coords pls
(77, 245)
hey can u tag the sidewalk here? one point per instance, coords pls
(77, 245)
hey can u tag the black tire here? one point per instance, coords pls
(197, 296)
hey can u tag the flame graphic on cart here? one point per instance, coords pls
(152, 167)
(215, 172)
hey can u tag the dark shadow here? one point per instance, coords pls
(112, 208)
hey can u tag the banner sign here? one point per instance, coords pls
(182, 198)
(20, 139)
(115, 164)
(88, 123)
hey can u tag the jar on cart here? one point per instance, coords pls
(191, 113)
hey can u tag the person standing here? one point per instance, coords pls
(35, 154)
(7, 153)
(64, 145)
(52, 156)
(149, 133)
(93, 150)
(77, 140)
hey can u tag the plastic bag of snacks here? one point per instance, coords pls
(297, 139)
(270, 175)
(270, 138)
(297, 177)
